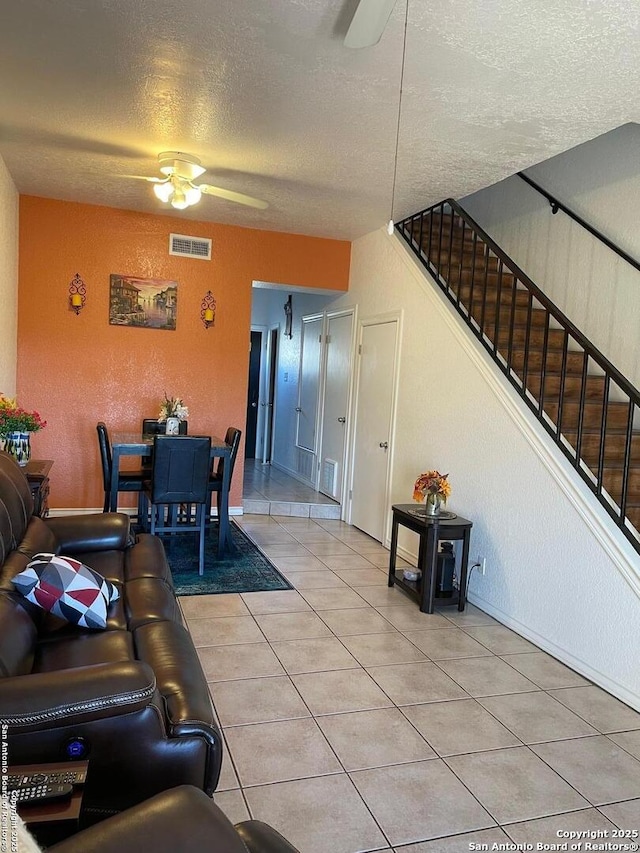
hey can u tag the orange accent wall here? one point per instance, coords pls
(77, 370)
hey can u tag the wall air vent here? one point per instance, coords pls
(190, 247)
(329, 479)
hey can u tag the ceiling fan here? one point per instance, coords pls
(177, 187)
(368, 23)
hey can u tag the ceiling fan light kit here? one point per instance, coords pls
(178, 189)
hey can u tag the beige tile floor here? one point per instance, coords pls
(354, 723)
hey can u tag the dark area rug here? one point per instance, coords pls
(243, 568)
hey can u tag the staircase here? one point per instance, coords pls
(587, 406)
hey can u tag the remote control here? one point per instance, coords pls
(39, 793)
(63, 777)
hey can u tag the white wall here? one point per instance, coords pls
(8, 282)
(266, 310)
(548, 574)
(596, 289)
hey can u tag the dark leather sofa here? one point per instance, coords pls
(182, 820)
(133, 697)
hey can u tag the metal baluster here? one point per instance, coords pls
(626, 463)
(460, 267)
(563, 374)
(497, 322)
(583, 400)
(527, 338)
(449, 258)
(603, 431)
(440, 264)
(474, 244)
(512, 320)
(543, 366)
(483, 307)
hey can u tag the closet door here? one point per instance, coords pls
(375, 404)
(337, 382)
(309, 384)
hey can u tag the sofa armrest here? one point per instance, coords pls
(48, 699)
(259, 837)
(101, 531)
(182, 818)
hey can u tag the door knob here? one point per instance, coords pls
(298, 409)
(342, 420)
(384, 444)
(254, 405)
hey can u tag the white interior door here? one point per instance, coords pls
(308, 393)
(373, 427)
(337, 379)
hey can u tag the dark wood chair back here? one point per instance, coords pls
(180, 471)
(232, 438)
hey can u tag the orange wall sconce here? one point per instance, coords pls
(208, 310)
(77, 294)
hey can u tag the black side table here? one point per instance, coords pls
(431, 531)
(37, 474)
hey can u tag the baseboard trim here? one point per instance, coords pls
(560, 653)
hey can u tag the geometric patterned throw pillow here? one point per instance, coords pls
(68, 589)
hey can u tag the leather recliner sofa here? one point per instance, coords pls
(182, 820)
(133, 698)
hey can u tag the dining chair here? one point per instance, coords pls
(232, 439)
(179, 475)
(152, 426)
(128, 481)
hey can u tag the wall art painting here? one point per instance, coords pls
(148, 302)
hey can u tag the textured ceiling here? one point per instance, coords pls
(265, 93)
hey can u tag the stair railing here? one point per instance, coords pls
(491, 292)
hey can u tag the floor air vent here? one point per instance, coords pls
(190, 247)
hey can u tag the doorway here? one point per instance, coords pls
(271, 372)
(373, 430)
(253, 394)
(263, 359)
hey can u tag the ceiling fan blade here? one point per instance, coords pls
(368, 23)
(145, 178)
(230, 195)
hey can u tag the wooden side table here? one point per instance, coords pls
(53, 820)
(37, 473)
(431, 531)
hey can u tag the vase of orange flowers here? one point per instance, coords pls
(433, 488)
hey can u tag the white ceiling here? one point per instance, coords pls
(265, 93)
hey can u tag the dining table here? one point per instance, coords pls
(141, 444)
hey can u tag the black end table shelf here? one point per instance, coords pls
(37, 474)
(431, 530)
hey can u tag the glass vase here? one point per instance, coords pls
(432, 505)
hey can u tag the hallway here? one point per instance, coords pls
(268, 491)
